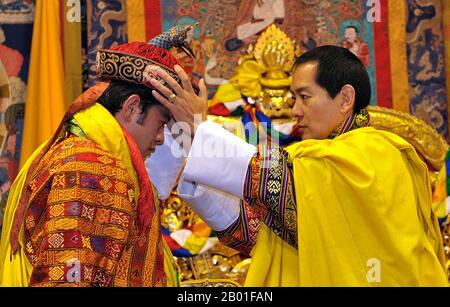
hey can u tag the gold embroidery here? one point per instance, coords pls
(29, 222)
(59, 181)
(105, 183)
(121, 276)
(64, 256)
(120, 187)
(95, 197)
(86, 240)
(56, 240)
(115, 233)
(105, 160)
(56, 210)
(102, 215)
(62, 224)
(56, 273)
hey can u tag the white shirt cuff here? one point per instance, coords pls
(164, 165)
(218, 159)
(217, 209)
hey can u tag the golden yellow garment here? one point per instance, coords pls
(364, 218)
(106, 133)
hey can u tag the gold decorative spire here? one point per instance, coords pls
(275, 50)
(264, 72)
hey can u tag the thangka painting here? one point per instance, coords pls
(106, 27)
(227, 28)
(426, 66)
(16, 27)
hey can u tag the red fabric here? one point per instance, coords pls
(173, 245)
(219, 109)
(150, 52)
(146, 200)
(382, 59)
(153, 18)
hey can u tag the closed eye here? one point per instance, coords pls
(305, 97)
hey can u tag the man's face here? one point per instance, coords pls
(148, 131)
(351, 35)
(316, 112)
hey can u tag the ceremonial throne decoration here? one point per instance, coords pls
(263, 73)
(218, 266)
(262, 81)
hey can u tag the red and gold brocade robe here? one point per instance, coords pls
(81, 221)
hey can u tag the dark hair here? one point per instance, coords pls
(352, 27)
(337, 67)
(118, 91)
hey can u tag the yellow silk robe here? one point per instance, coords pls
(364, 218)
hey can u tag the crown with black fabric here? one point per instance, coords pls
(139, 62)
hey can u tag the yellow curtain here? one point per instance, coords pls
(45, 103)
(136, 20)
(72, 56)
(397, 46)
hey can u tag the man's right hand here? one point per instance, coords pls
(182, 102)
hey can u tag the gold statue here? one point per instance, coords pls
(263, 73)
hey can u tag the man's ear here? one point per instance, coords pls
(131, 108)
(348, 96)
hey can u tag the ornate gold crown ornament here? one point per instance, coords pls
(263, 73)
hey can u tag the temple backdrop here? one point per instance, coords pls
(404, 44)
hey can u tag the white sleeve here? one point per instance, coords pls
(217, 209)
(218, 159)
(164, 165)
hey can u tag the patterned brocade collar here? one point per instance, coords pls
(356, 120)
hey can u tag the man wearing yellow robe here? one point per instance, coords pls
(82, 211)
(349, 205)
